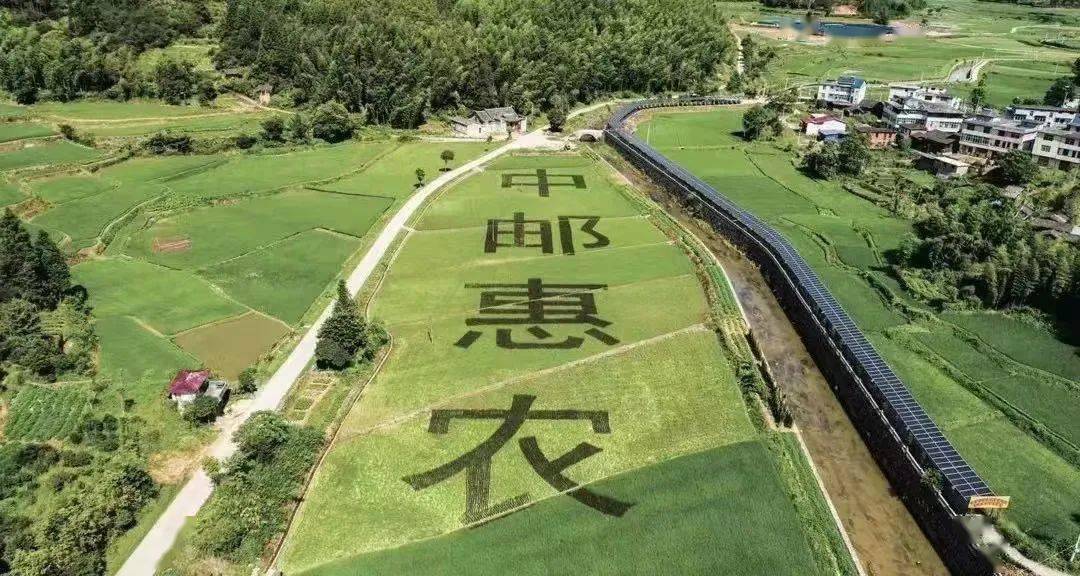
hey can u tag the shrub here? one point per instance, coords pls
(331, 122)
(203, 410)
(246, 381)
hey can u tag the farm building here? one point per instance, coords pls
(943, 166)
(817, 124)
(878, 137)
(188, 385)
(490, 121)
(263, 92)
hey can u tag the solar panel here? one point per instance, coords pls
(899, 406)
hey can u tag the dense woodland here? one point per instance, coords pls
(881, 11)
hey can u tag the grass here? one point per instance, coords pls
(667, 386)
(675, 512)
(283, 280)
(169, 301)
(130, 352)
(393, 175)
(10, 194)
(220, 233)
(1011, 79)
(230, 346)
(47, 153)
(843, 238)
(40, 413)
(88, 109)
(10, 131)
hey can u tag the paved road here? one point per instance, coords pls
(161, 537)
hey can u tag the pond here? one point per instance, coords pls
(837, 29)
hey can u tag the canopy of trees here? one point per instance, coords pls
(395, 61)
(974, 248)
(880, 10)
(34, 279)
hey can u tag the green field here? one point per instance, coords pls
(843, 237)
(10, 194)
(10, 131)
(1009, 79)
(40, 413)
(230, 346)
(114, 110)
(46, 153)
(680, 444)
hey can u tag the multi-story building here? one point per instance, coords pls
(1048, 115)
(1058, 147)
(990, 136)
(914, 113)
(901, 92)
(844, 91)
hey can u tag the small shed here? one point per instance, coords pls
(814, 124)
(188, 385)
(943, 166)
(263, 92)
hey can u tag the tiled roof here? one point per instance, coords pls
(188, 382)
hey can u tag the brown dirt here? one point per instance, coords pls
(173, 467)
(883, 532)
(171, 244)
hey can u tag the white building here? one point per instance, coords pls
(844, 91)
(1047, 115)
(816, 124)
(901, 92)
(490, 122)
(1058, 147)
(915, 113)
(987, 135)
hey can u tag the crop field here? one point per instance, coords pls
(46, 153)
(40, 413)
(631, 401)
(1022, 79)
(229, 346)
(964, 384)
(114, 110)
(10, 194)
(10, 131)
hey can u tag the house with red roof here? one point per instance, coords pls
(188, 385)
(818, 124)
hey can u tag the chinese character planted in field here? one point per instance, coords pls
(532, 305)
(543, 181)
(522, 233)
(476, 463)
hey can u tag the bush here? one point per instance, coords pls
(758, 120)
(558, 113)
(176, 81)
(202, 411)
(246, 381)
(164, 143)
(331, 122)
(1017, 167)
(244, 141)
(273, 129)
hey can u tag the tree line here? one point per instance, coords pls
(396, 62)
(882, 11)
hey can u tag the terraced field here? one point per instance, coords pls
(555, 387)
(1004, 392)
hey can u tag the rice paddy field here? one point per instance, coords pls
(611, 375)
(990, 381)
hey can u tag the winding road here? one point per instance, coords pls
(162, 535)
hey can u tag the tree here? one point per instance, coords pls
(176, 80)
(1017, 167)
(273, 129)
(757, 120)
(420, 175)
(246, 382)
(978, 93)
(298, 128)
(825, 161)
(207, 92)
(854, 155)
(342, 335)
(202, 410)
(1059, 92)
(331, 122)
(447, 156)
(260, 437)
(1076, 72)
(558, 113)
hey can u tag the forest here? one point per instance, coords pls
(388, 62)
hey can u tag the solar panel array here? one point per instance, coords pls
(903, 412)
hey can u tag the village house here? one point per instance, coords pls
(933, 141)
(902, 92)
(188, 385)
(1058, 147)
(915, 113)
(987, 135)
(844, 91)
(490, 122)
(816, 125)
(1042, 115)
(878, 137)
(943, 166)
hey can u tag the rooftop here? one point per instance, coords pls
(1039, 107)
(188, 382)
(495, 114)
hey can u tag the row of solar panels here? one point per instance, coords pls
(960, 483)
